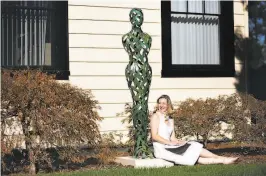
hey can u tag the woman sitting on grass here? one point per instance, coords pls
(168, 147)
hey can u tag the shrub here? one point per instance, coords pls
(248, 116)
(128, 120)
(106, 155)
(50, 114)
(199, 117)
(111, 139)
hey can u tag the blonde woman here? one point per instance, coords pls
(168, 147)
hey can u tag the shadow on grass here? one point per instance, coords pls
(17, 161)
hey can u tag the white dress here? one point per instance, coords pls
(187, 157)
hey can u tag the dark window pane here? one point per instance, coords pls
(26, 38)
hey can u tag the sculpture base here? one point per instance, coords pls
(143, 163)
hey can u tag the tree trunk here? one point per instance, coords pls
(205, 139)
(28, 142)
(205, 142)
(32, 167)
(197, 134)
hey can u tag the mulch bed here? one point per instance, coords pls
(248, 154)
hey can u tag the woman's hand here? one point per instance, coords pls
(177, 142)
(173, 143)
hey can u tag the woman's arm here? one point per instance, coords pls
(154, 131)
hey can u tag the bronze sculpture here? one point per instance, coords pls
(138, 75)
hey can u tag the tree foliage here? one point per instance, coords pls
(49, 114)
(257, 33)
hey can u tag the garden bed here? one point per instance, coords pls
(248, 154)
(95, 159)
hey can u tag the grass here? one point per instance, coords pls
(198, 170)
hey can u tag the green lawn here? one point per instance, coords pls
(198, 170)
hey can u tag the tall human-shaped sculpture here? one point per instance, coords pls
(138, 75)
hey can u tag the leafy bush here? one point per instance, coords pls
(106, 155)
(128, 120)
(49, 114)
(202, 118)
(248, 116)
(199, 117)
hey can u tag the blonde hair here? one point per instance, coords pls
(169, 104)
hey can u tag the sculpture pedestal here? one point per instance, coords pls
(143, 163)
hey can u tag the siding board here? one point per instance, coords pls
(119, 83)
(123, 96)
(85, 68)
(109, 14)
(107, 55)
(114, 55)
(239, 20)
(239, 8)
(115, 110)
(115, 69)
(114, 28)
(153, 5)
(104, 125)
(103, 41)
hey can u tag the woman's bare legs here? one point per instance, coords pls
(202, 160)
(207, 157)
(207, 154)
(224, 160)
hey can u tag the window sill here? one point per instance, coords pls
(198, 73)
(59, 74)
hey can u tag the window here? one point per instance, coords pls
(35, 35)
(197, 38)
